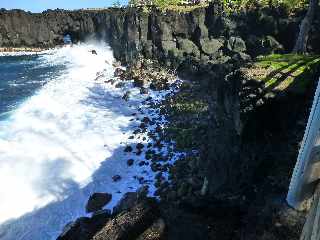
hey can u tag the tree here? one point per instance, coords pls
(302, 40)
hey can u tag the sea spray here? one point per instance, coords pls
(67, 141)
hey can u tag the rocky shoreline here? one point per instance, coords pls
(238, 148)
(136, 215)
(183, 191)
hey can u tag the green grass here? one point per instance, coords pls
(284, 71)
(183, 8)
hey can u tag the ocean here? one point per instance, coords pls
(63, 129)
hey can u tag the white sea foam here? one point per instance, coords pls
(66, 142)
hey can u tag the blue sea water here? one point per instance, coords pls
(20, 77)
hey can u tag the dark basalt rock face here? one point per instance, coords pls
(203, 34)
(140, 219)
(97, 201)
(19, 28)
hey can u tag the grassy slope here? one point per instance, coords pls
(285, 72)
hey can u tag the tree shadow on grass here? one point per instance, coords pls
(285, 72)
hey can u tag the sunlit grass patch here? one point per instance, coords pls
(184, 8)
(285, 70)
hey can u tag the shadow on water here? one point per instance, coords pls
(47, 222)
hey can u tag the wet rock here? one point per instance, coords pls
(140, 179)
(155, 167)
(132, 223)
(146, 120)
(138, 82)
(135, 132)
(101, 215)
(78, 230)
(128, 149)
(130, 199)
(97, 201)
(119, 72)
(158, 129)
(158, 144)
(130, 162)
(142, 163)
(116, 178)
(119, 85)
(158, 176)
(144, 90)
(126, 96)
(139, 146)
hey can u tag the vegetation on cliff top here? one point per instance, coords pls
(230, 5)
(281, 72)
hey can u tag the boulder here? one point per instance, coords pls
(130, 199)
(116, 178)
(236, 44)
(97, 201)
(77, 230)
(144, 90)
(84, 228)
(131, 224)
(130, 162)
(188, 47)
(139, 146)
(272, 45)
(168, 45)
(119, 72)
(263, 45)
(211, 46)
(128, 149)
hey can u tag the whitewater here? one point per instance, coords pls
(66, 141)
